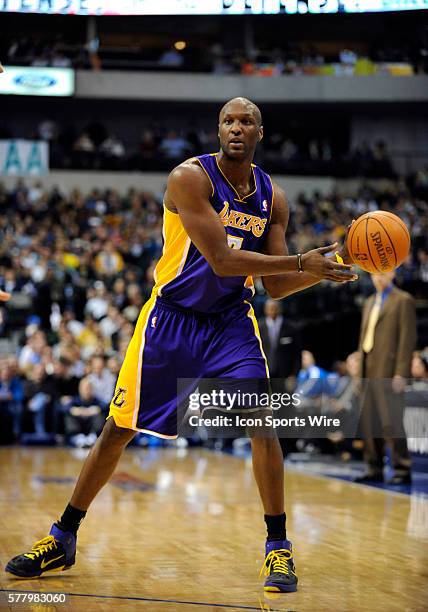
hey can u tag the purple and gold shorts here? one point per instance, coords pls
(170, 343)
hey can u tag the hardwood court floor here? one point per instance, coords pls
(183, 530)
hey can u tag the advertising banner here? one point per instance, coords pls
(206, 7)
(37, 81)
(24, 158)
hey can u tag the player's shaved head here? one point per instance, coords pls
(239, 129)
(247, 107)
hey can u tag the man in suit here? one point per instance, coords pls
(387, 341)
(281, 342)
(282, 345)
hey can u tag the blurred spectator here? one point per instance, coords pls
(113, 365)
(311, 378)
(111, 323)
(113, 147)
(288, 150)
(48, 130)
(64, 382)
(91, 339)
(345, 398)
(83, 417)
(416, 404)
(102, 380)
(31, 353)
(119, 293)
(422, 256)
(135, 302)
(84, 143)
(171, 58)
(109, 262)
(281, 342)
(11, 401)
(344, 404)
(174, 147)
(419, 367)
(38, 397)
(382, 165)
(59, 60)
(148, 145)
(97, 304)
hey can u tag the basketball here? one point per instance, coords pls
(378, 241)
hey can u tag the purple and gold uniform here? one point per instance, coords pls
(195, 324)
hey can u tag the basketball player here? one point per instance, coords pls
(224, 221)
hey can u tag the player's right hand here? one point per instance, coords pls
(4, 297)
(323, 268)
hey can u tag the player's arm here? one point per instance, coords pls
(4, 297)
(188, 193)
(281, 285)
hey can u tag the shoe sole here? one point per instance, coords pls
(63, 568)
(273, 588)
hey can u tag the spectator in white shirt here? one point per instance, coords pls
(102, 380)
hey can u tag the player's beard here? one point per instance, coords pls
(244, 155)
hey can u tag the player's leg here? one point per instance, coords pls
(268, 468)
(239, 355)
(100, 464)
(57, 551)
(161, 350)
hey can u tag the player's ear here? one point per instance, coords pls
(260, 133)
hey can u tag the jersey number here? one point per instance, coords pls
(234, 242)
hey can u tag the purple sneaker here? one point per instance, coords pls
(279, 567)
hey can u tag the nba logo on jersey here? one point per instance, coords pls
(154, 320)
(264, 205)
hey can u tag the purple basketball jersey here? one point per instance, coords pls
(183, 276)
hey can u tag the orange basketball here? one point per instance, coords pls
(378, 241)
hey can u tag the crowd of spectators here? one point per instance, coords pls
(294, 151)
(80, 266)
(292, 57)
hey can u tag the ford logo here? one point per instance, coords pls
(35, 81)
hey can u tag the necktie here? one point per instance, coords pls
(368, 341)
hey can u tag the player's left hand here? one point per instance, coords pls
(4, 296)
(398, 383)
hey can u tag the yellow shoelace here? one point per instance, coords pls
(277, 562)
(41, 547)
